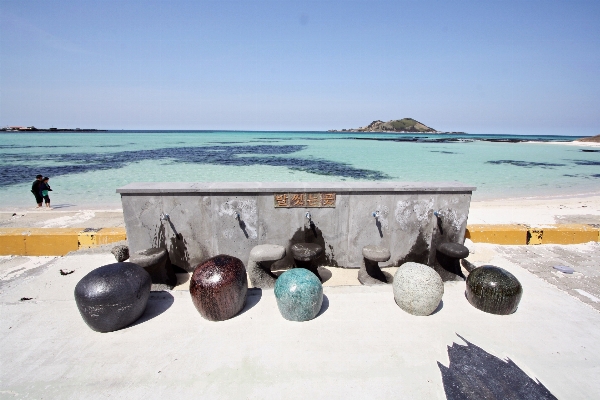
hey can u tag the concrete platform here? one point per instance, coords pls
(361, 345)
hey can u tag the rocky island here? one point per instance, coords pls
(592, 139)
(404, 125)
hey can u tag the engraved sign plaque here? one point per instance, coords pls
(304, 200)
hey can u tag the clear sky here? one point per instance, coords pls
(475, 66)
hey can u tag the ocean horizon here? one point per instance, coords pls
(85, 168)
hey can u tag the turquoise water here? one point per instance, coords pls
(86, 168)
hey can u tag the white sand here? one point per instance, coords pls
(582, 208)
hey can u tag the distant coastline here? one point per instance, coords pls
(34, 129)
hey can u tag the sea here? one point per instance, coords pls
(86, 168)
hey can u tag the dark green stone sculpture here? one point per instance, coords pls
(494, 290)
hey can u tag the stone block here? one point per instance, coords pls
(370, 273)
(418, 289)
(113, 296)
(299, 295)
(156, 262)
(218, 287)
(259, 264)
(493, 290)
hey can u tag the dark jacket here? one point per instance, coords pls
(35, 187)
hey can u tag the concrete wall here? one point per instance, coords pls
(202, 219)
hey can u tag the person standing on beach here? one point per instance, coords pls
(44, 189)
(35, 189)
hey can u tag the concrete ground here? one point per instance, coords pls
(361, 345)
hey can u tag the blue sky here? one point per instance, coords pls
(476, 66)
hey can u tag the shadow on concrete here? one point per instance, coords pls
(324, 306)
(252, 298)
(439, 308)
(473, 373)
(158, 303)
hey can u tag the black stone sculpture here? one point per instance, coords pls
(448, 256)
(475, 374)
(369, 272)
(494, 290)
(156, 262)
(218, 287)
(305, 254)
(113, 296)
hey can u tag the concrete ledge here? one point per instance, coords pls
(270, 187)
(526, 235)
(54, 241)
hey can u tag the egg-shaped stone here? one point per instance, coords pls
(418, 289)
(218, 287)
(299, 294)
(494, 290)
(113, 296)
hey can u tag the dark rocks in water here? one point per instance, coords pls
(589, 151)
(305, 254)
(66, 271)
(370, 273)
(156, 262)
(494, 290)
(475, 374)
(218, 287)
(120, 252)
(233, 155)
(113, 296)
(299, 295)
(448, 256)
(526, 164)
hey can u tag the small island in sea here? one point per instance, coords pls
(404, 125)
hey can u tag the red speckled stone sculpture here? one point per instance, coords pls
(218, 287)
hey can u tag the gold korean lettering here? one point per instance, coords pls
(328, 200)
(313, 200)
(298, 199)
(282, 200)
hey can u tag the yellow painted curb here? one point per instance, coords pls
(497, 234)
(570, 234)
(54, 241)
(97, 237)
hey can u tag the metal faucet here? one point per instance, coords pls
(375, 214)
(308, 216)
(164, 217)
(236, 215)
